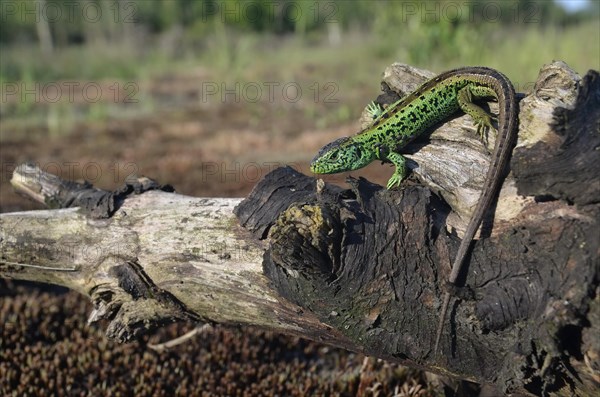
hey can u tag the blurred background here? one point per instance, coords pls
(209, 96)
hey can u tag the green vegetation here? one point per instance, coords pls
(249, 41)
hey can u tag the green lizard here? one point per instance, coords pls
(434, 101)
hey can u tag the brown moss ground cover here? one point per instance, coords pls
(48, 349)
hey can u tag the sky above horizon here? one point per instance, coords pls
(573, 5)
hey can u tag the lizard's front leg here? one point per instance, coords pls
(400, 172)
(374, 110)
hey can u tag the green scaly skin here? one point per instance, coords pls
(433, 102)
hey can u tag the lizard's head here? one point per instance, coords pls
(341, 155)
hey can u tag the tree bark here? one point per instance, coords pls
(360, 268)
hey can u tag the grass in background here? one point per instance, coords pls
(338, 72)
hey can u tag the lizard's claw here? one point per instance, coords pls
(484, 125)
(394, 181)
(374, 110)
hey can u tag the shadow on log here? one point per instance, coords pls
(361, 268)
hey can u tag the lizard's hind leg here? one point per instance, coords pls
(482, 119)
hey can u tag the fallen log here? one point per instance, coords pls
(360, 268)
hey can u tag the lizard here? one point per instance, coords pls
(401, 122)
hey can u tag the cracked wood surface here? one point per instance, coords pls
(161, 257)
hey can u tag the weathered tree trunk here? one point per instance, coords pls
(361, 268)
